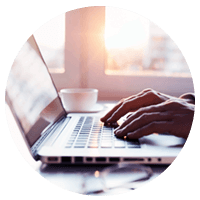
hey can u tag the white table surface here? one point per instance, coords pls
(66, 176)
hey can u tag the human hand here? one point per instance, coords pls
(174, 116)
(145, 98)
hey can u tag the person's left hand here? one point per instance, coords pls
(172, 116)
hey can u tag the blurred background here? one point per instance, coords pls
(133, 44)
(114, 50)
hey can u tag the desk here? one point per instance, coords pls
(66, 176)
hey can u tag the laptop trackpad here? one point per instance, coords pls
(163, 140)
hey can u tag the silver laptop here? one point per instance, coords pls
(54, 136)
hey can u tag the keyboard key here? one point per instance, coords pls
(119, 144)
(94, 138)
(91, 133)
(106, 144)
(82, 139)
(93, 145)
(68, 146)
(107, 136)
(70, 142)
(72, 137)
(79, 146)
(95, 134)
(133, 146)
(82, 133)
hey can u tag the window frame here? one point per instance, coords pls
(85, 62)
(70, 78)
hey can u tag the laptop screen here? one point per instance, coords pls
(31, 93)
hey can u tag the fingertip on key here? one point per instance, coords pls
(117, 132)
(116, 129)
(102, 119)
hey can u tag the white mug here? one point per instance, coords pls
(78, 99)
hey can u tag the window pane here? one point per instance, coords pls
(51, 40)
(136, 46)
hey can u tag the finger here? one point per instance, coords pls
(129, 115)
(126, 107)
(141, 121)
(139, 101)
(145, 98)
(140, 112)
(112, 111)
(121, 111)
(153, 127)
(109, 114)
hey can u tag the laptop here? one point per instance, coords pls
(56, 137)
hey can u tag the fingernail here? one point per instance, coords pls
(108, 120)
(116, 129)
(117, 132)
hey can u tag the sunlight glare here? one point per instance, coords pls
(125, 29)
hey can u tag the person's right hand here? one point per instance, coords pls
(145, 98)
(172, 116)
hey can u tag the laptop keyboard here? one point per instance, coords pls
(90, 132)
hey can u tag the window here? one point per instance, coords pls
(118, 52)
(165, 71)
(136, 46)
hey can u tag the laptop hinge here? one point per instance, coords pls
(51, 129)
